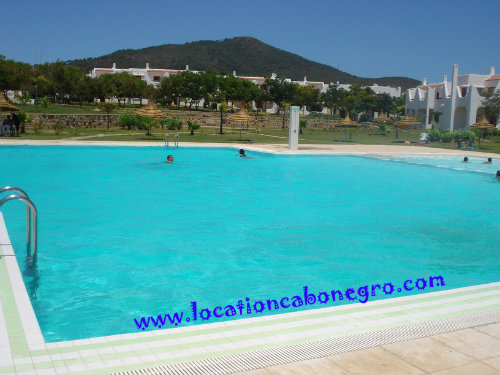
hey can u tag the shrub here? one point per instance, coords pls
(446, 136)
(383, 128)
(146, 123)
(171, 123)
(58, 126)
(45, 101)
(470, 135)
(193, 126)
(434, 135)
(38, 127)
(128, 120)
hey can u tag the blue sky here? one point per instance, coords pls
(414, 38)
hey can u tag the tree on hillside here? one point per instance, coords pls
(71, 78)
(14, 75)
(285, 107)
(105, 87)
(223, 110)
(165, 90)
(176, 88)
(400, 105)
(308, 97)
(281, 91)
(210, 86)
(332, 97)
(384, 103)
(188, 85)
(365, 102)
(83, 90)
(128, 86)
(41, 87)
(275, 91)
(239, 89)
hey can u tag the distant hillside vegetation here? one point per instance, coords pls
(245, 55)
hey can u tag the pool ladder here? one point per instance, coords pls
(176, 139)
(31, 246)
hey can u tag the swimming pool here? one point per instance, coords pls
(122, 235)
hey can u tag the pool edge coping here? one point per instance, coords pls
(270, 148)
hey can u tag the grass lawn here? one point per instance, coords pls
(232, 135)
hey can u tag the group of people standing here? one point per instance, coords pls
(11, 126)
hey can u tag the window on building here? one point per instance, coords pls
(156, 78)
(437, 95)
(464, 91)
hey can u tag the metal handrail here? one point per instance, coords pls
(176, 140)
(167, 136)
(30, 207)
(28, 211)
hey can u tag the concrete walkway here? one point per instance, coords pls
(469, 351)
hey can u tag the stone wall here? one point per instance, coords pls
(203, 118)
(76, 120)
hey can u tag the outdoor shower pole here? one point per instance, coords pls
(293, 129)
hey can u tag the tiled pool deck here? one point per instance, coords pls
(389, 331)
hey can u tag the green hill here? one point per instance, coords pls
(245, 55)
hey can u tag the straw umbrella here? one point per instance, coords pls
(381, 117)
(241, 117)
(5, 106)
(482, 125)
(406, 122)
(151, 111)
(381, 120)
(347, 122)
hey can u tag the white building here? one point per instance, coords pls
(151, 76)
(454, 105)
(395, 92)
(154, 77)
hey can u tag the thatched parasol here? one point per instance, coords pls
(347, 122)
(381, 117)
(241, 117)
(482, 125)
(406, 122)
(5, 106)
(150, 110)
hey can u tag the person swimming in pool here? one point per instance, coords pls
(466, 159)
(498, 175)
(170, 159)
(489, 161)
(242, 154)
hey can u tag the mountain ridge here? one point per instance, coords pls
(245, 55)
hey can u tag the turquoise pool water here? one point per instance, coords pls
(122, 235)
(474, 164)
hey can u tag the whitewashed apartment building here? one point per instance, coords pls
(458, 103)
